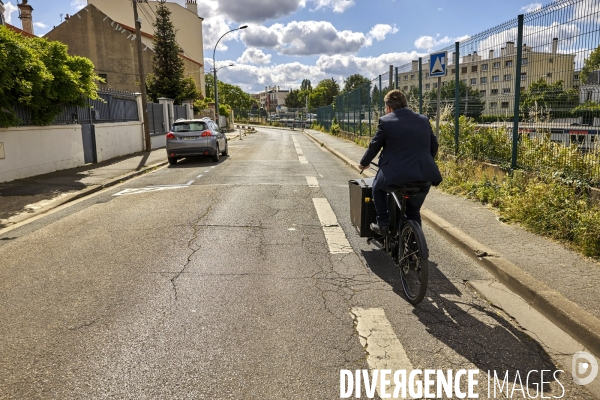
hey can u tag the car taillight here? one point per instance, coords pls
(206, 133)
(170, 136)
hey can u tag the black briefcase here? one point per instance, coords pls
(362, 206)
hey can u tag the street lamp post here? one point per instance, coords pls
(215, 72)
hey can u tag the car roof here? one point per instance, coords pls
(194, 120)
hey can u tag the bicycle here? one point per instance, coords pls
(406, 243)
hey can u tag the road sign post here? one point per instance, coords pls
(437, 68)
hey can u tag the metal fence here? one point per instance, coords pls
(287, 117)
(113, 106)
(156, 118)
(179, 112)
(525, 93)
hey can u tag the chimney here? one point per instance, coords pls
(192, 6)
(510, 48)
(415, 65)
(25, 15)
(554, 45)
(491, 54)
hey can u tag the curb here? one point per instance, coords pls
(82, 193)
(567, 315)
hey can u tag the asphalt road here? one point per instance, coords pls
(215, 281)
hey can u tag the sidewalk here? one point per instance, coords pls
(24, 198)
(557, 282)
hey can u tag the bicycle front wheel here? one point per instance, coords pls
(413, 262)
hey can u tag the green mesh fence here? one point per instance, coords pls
(528, 94)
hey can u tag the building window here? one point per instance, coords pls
(426, 74)
(463, 70)
(405, 77)
(496, 64)
(484, 67)
(504, 104)
(508, 63)
(494, 92)
(473, 81)
(506, 90)
(405, 88)
(412, 77)
(524, 61)
(496, 78)
(483, 80)
(493, 105)
(523, 76)
(482, 93)
(474, 68)
(435, 85)
(507, 77)
(427, 86)
(576, 77)
(104, 76)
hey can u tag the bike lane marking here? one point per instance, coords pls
(302, 160)
(384, 350)
(335, 236)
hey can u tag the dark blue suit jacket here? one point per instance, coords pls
(409, 146)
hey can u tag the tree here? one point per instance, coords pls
(355, 81)
(231, 95)
(41, 75)
(324, 93)
(470, 103)
(292, 100)
(168, 79)
(592, 63)
(305, 85)
(552, 96)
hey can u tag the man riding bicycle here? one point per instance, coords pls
(409, 147)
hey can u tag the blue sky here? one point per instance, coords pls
(289, 40)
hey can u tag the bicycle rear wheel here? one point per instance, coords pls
(413, 262)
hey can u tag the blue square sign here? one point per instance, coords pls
(437, 64)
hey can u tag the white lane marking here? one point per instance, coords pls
(384, 350)
(149, 189)
(335, 236)
(199, 176)
(189, 183)
(212, 166)
(302, 160)
(312, 181)
(299, 151)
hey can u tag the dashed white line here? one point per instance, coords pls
(384, 350)
(199, 176)
(299, 151)
(302, 160)
(312, 181)
(189, 183)
(335, 236)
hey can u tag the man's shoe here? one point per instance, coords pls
(381, 230)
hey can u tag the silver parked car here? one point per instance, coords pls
(196, 137)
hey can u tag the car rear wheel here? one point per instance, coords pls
(215, 157)
(226, 151)
(172, 160)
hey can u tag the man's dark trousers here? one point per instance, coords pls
(413, 205)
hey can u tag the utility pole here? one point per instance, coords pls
(138, 39)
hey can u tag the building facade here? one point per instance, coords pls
(187, 23)
(112, 48)
(493, 76)
(272, 99)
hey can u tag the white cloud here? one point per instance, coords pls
(380, 31)
(440, 9)
(40, 25)
(254, 56)
(338, 6)
(430, 43)
(587, 12)
(78, 4)
(531, 7)
(369, 66)
(9, 9)
(258, 10)
(307, 38)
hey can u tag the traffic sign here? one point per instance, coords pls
(437, 64)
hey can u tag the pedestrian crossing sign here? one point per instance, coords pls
(437, 64)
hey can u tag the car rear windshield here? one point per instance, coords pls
(189, 127)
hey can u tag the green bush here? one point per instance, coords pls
(41, 76)
(544, 205)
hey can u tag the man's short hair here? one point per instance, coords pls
(395, 99)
